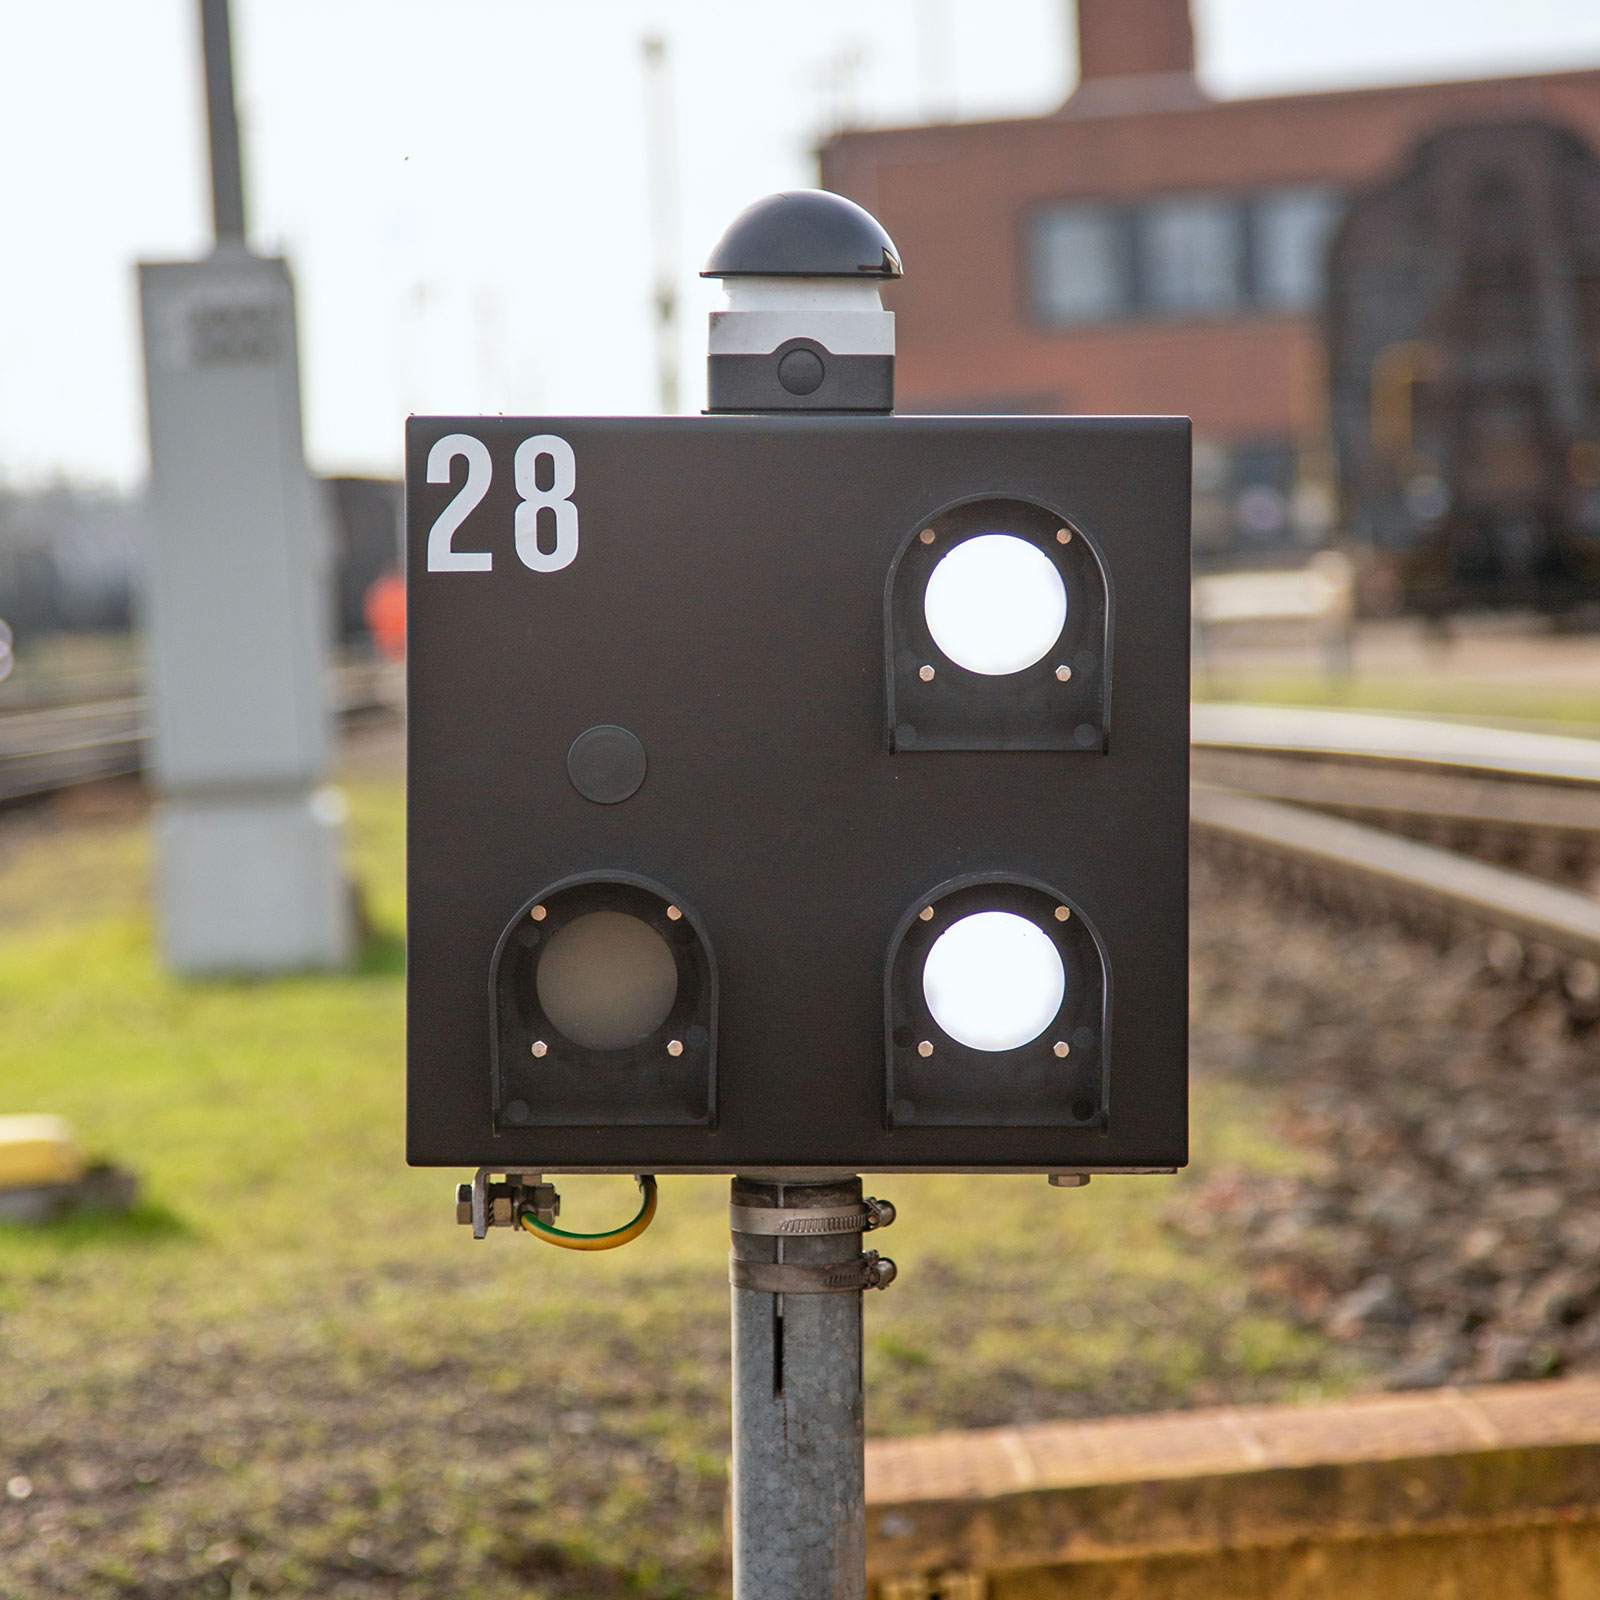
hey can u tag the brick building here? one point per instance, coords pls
(1147, 248)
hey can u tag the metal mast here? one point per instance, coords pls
(661, 138)
(227, 171)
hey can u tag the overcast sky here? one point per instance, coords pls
(461, 186)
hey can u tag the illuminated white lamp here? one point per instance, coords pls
(995, 604)
(994, 981)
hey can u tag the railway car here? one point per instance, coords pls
(1463, 338)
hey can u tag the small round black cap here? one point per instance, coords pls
(803, 233)
(801, 372)
(606, 764)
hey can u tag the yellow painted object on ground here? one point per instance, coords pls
(38, 1152)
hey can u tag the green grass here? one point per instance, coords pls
(290, 1373)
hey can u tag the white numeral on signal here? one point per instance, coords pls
(557, 499)
(441, 556)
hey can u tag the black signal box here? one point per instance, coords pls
(695, 792)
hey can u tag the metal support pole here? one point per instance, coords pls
(227, 173)
(661, 130)
(799, 1507)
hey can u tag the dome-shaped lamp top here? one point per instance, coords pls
(803, 233)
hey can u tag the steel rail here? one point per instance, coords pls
(1535, 930)
(1322, 734)
(44, 750)
(1493, 897)
(1526, 800)
(1417, 820)
(1399, 764)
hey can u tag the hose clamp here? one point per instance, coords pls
(869, 1270)
(810, 1222)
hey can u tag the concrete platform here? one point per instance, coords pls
(1450, 1494)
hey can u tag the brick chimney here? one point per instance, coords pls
(1134, 55)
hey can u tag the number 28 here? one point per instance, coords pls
(557, 499)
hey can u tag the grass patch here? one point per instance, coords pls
(290, 1373)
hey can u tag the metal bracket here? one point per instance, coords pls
(867, 1271)
(475, 1204)
(800, 1222)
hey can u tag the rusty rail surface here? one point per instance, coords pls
(1451, 1492)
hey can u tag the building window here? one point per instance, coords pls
(1191, 255)
(1080, 268)
(1290, 229)
(1181, 255)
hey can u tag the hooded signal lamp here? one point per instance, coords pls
(604, 1009)
(996, 1010)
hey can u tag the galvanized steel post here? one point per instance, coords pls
(799, 1507)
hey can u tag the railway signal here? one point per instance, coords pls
(795, 790)
(805, 788)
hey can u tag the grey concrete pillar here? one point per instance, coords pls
(236, 626)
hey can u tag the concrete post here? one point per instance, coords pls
(236, 606)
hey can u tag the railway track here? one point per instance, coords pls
(46, 748)
(1459, 832)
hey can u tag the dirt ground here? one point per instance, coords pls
(1452, 1228)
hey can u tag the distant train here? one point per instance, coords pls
(1463, 339)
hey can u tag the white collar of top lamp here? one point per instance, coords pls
(804, 328)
